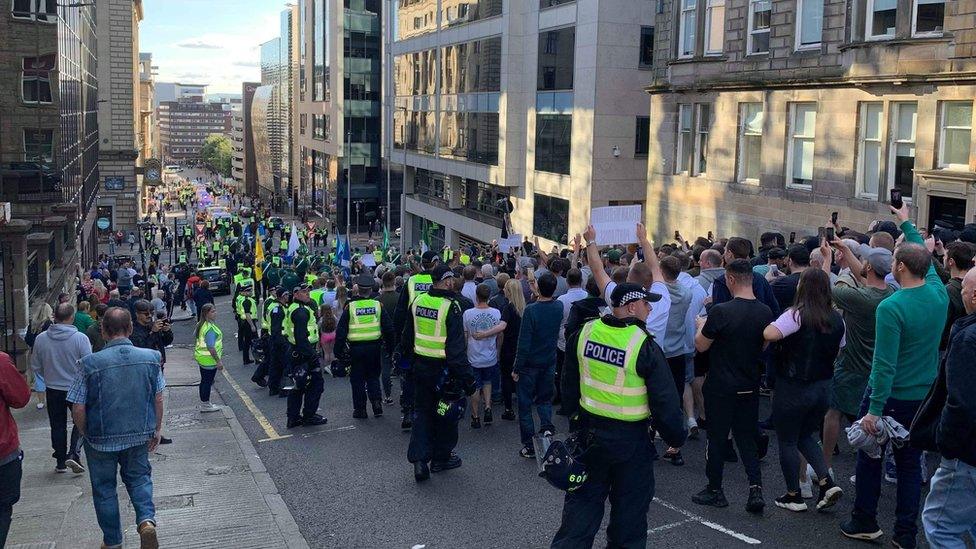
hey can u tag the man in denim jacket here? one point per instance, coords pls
(118, 405)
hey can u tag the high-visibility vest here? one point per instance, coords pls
(201, 353)
(418, 284)
(316, 296)
(276, 260)
(430, 325)
(310, 278)
(378, 256)
(222, 263)
(609, 384)
(270, 305)
(465, 259)
(182, 258)
(364, 320)
(283, 245)
(239, 306)
(289, 326)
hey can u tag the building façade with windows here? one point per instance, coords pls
(538, 102)
(338, 103)
(770, 114)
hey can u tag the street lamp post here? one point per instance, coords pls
(348, 181)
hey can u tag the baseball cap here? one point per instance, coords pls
(627, 293)
(878, 258)
(614, 255)
(441, 272)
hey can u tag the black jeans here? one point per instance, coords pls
(432, 437)
(273, 365)
(508, 384)
(57, 415)
(364, 374)
(619, 465)
(245, 337)
(560, 358)
(798, 411)
(738, 413)
(386, 371)
(207, 376)
(10, 475)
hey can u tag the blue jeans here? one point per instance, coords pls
(908, 463)
(133, 465)
(950, 508)
(535, 386)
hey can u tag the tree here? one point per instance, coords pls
(216, 151)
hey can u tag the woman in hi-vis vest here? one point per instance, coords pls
(208, 350)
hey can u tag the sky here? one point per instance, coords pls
(214, 42)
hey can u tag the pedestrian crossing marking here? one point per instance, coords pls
(705, 522)
(260, 417)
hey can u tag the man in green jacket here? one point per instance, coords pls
(905, 364)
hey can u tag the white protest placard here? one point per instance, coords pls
(616, 224)
(505, 245)
(368, 260)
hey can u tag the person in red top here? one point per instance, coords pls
(14, 393)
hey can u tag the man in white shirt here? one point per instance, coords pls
(575, 293)
(470, 287)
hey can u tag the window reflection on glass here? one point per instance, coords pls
(902, 160)
(557, 50)
(550, 218)
(553, 142)
(881, 18)
(929, 17)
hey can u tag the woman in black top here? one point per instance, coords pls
(808, 337)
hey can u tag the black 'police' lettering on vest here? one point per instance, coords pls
(426, 312)
(362, 311)
(605, 354)
(422, 286)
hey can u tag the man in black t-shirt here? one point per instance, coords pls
(733, 333)
(784, 287)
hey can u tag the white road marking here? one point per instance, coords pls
(669, 526)
(346, 428)
(705, 522)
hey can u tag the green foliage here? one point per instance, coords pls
(217, 152)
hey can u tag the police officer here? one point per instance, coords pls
(433, 337)
(615, 379)
(303, 334)
(363, 328)
(247, 317)
(272, 323)
(416, 285)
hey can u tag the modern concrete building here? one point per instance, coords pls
(338, 111)
(537, 102)
(236, 136)
(122, 199)
(49, 144)
(174, 91)
(250, 181)
(770, 114)
(184, 125)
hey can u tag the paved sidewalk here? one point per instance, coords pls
(210, 487)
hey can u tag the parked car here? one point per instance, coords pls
(218, 279)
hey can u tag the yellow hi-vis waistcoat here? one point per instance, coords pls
(239, 306)
(430, 325)
(201, 352)
(609, 384)
(364, 320)
(418, 284)
(269, 305)
(288, 326)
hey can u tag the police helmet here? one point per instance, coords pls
(452, 404)
(562, 466)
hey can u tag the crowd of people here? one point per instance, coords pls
(871, 331)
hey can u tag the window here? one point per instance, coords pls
(39, 146)
(869, 150)
(956, 128)
(550, 218)
(928, 16)
(881, 19)
(646, 47)
(642, 137)
(809, 24)
(40, 10)
(557, 50)
(550, 3)
(759, 15)
(751, 117)
(682, 163)
(320, 127)
(553, 142)
(714, 27)
(302, 123)
(703, 118)
(36, 79)
(688, 22)
(901, 159)
(799, 154)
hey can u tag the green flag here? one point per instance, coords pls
(386, 238)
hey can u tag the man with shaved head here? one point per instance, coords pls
(949, 511)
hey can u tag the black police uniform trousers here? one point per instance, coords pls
(245, 335)
(406, 390)
(303, 401)
(276, 354)
(432, 437)
(619, 465)
(364, 373)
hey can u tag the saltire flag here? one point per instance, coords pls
(342, 252)
(258, 258)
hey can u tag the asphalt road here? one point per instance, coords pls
(348, 483)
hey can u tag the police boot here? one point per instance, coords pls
(452, 462)
(420, 471)
(406, 422)
(359, 414)
(377, 408)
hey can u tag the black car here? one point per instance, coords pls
(217, 279)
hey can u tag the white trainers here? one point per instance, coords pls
(209, 407)
(40, 405)
(806, 490)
